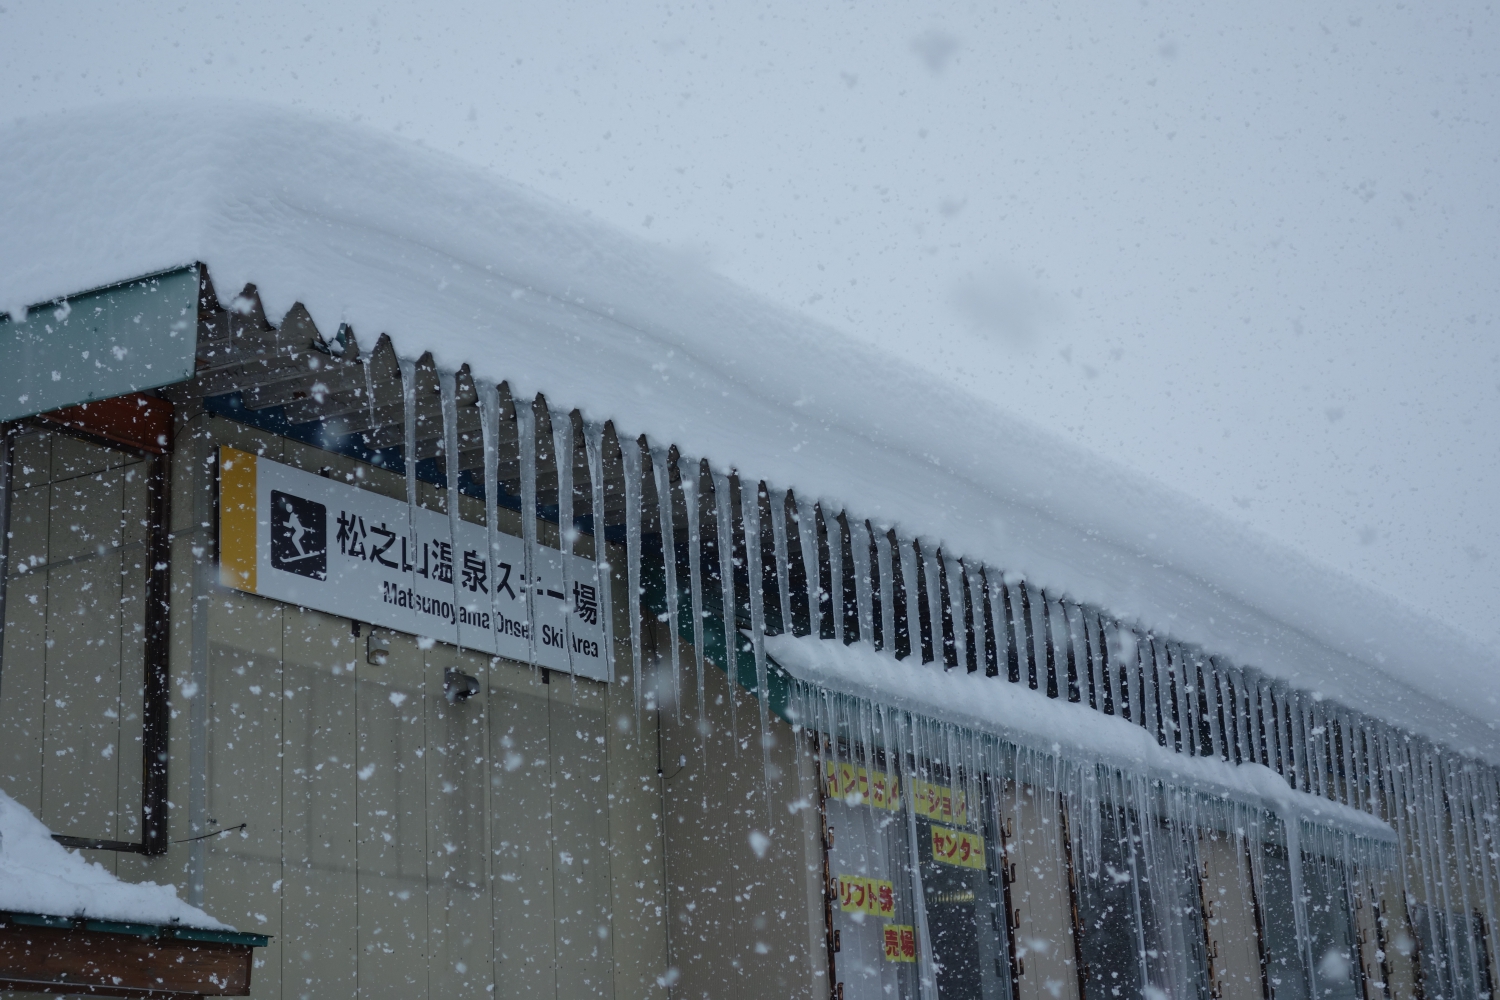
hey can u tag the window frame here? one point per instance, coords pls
(145, 432)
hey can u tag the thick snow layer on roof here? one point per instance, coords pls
(367, 229)
(39, 875)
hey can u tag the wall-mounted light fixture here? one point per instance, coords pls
(459, 686)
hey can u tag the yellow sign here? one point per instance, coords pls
(867, 895)
(957, 847)
(900, 943)
(941, 803)
(858, 785)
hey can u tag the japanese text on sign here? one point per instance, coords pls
(297, 537)
(900, 943)
(939, 802)
(860, 786)
(858, 894)
(957, 847)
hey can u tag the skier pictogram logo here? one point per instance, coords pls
(299, 536)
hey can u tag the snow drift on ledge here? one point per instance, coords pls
(39, 875)
(1026, 718)
(369, 229)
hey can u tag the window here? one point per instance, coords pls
(83, 675)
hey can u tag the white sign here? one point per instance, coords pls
(322, 544)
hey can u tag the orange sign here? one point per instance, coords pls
(957, 847)
(860, 786)
(939, 802)
(900, 943)
(867, 895)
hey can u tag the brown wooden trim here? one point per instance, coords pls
(93, 963)
(137, 420)
(73, 989)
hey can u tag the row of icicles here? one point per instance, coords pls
(845, 579)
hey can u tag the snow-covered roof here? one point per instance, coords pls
(368, 229)
(39, 875)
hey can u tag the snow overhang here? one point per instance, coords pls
(371, 231)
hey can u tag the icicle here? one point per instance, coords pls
(926, 960)
(691, 501)
(526, 435)
(887, 594)
(750, 512)
(662, 466)
(630, 458)
(369, 393)
(1458, 811)
(567, 528)
(807, 535)
(836, 573)
(448, 390)
(859, 543)
(593, 440)
(1292, 824)
(409, 446)
(783, 574)
(724, 511)
(489, 431)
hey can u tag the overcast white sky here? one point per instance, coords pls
(1249, 250)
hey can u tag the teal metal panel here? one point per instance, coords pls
(139, 335)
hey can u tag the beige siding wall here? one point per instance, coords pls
(396, 844)
(740, 921)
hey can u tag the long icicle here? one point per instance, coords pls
(593, 440)
(630, 458)
(661, 465)
(925, 957)
(526, 435)
(489, 431)
(567, 529)
(691, 501)
(448, 388)
(409, 447)
(725, 542)
(750, 511)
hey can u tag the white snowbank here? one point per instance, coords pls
(1027, 718)
(39, 875)
(366, 228)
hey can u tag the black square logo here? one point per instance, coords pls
(299, 536)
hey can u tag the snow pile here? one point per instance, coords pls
(1016, 714)
(368, 229)
(39, 875)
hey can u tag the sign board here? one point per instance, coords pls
(858, 894)
(857, 785)
(136, 336)
(319, 543)
(899, 943)
(957, 847)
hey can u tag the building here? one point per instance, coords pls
(625, 673)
